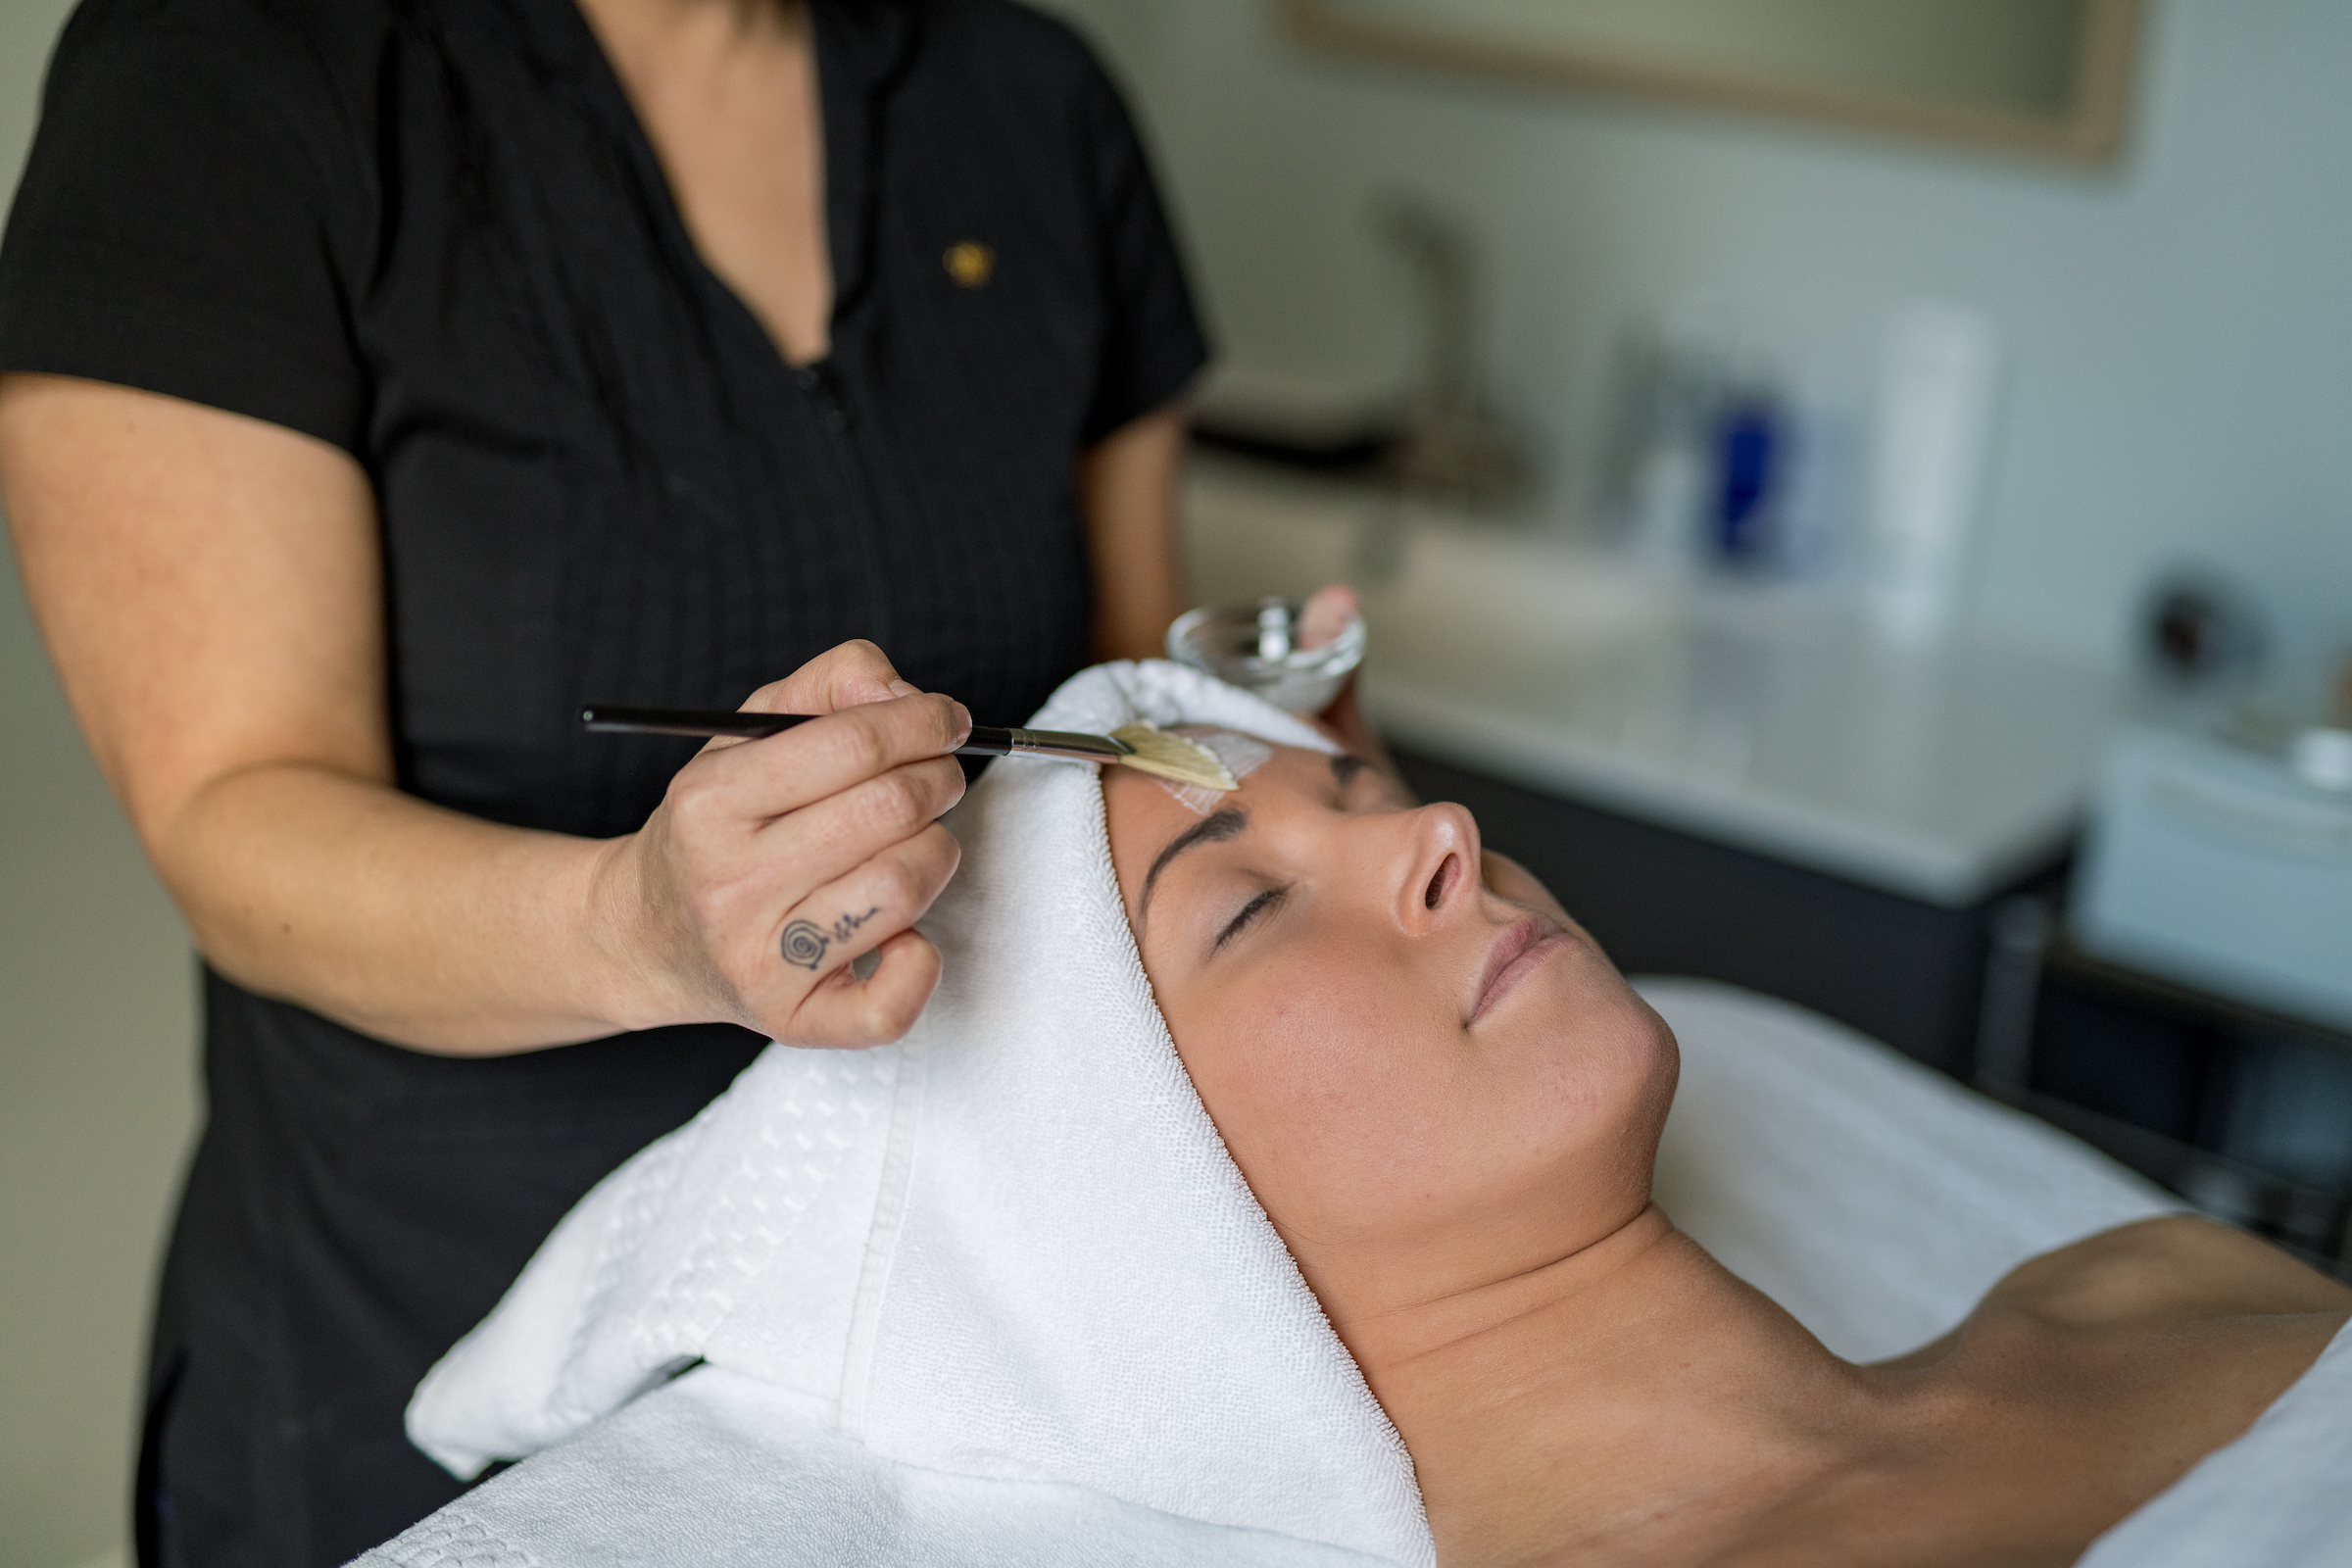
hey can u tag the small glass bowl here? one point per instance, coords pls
(1254, 646)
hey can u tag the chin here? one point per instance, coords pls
(1618, 1054)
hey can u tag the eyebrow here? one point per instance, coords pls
(1214, 828)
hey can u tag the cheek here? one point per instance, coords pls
(1314, 1080)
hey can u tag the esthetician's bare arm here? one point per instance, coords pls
(209, 588)
(1127, 488)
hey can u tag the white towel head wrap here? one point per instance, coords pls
(1012, 1246)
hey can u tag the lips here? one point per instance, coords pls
(1518, 953)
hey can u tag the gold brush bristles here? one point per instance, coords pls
(1172, 757)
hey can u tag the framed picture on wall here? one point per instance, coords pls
(2041, 78)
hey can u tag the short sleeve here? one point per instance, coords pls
(181, 227)
(1151, 343)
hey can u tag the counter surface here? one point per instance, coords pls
(1770, 718)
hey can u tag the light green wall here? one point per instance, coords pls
(96, 1063)
(27, 28)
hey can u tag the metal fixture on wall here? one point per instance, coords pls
(1454, 448)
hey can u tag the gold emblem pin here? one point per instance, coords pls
(970, 263)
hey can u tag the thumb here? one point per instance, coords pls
(1326, 615)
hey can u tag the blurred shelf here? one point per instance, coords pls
(2065, 958)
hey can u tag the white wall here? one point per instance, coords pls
(2182, 324)
(96, 1063)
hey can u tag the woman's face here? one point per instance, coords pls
(1424, 1069)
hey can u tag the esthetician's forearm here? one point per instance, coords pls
(1128, 486)
(449, 934)
(414, 925)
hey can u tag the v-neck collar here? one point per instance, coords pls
(861, 47)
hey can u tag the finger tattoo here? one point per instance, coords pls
(804, 941)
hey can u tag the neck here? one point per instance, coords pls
(655, 32)
(1629, 1400)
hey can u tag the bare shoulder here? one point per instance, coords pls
(2085, 1383)
(2175, 1268)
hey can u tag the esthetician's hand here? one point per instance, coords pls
(771, 864)
(1324, 616)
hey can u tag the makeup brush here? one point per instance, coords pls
(1141, 745)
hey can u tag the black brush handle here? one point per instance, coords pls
(615, 719)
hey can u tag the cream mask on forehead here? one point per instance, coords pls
(1242, 755)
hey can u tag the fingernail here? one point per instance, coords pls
(963, 719)
(900, 688)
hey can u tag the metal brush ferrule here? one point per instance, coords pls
(1053, 743)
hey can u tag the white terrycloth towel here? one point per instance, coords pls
(1010, 1247)
(719, 1470)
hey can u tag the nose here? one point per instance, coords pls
(1437, 866)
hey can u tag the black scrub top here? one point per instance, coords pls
(432, 233)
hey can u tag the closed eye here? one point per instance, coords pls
(1249, 911)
